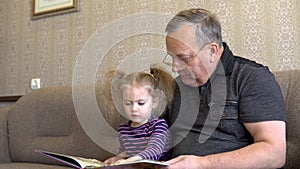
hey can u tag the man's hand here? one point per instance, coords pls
(186, 162)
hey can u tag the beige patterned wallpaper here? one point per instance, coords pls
(263, 30)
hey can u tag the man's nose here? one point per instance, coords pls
(177, 67)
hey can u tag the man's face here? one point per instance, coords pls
(184, 49)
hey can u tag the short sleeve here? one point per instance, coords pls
(261, 98)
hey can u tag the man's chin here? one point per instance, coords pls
(189, 82)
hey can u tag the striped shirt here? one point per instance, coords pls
(150, 140)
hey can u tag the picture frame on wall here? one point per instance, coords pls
(45, 8)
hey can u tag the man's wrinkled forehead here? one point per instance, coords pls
(183, 37)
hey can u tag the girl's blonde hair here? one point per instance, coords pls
(158, 82)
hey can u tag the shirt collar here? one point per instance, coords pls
(226, 63)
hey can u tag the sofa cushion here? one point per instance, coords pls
(30, 165)
(293, 153)
(45, 119)
(4, 151)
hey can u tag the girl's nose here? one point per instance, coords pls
(134, 107)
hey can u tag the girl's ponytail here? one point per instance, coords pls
(164, 81)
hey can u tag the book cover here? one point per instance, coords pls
(87, 163)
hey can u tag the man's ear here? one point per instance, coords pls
(214, 50)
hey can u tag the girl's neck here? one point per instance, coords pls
(134, 124)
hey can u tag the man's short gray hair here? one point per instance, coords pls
(207, 25)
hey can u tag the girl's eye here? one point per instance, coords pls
(141, 103)
(127, 103)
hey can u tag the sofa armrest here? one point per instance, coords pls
(4, 153)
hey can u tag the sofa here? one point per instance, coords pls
(46, 119)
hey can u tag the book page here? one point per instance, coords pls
(141, 164)
(88, 163)
(80, 162)
(146, 162)
(77, 162)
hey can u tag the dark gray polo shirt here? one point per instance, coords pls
(209, 119)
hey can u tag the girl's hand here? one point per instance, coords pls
(112, 160)
(121, 161)
(131, 159)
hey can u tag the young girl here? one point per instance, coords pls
(145, 135)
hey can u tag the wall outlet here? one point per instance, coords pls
(35, 83)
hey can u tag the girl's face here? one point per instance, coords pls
(138, 104)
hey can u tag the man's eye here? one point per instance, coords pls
(186, 59)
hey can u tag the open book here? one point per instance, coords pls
(86, 163)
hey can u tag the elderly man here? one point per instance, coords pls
(247, 129)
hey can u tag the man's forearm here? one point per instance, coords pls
(257, 155)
